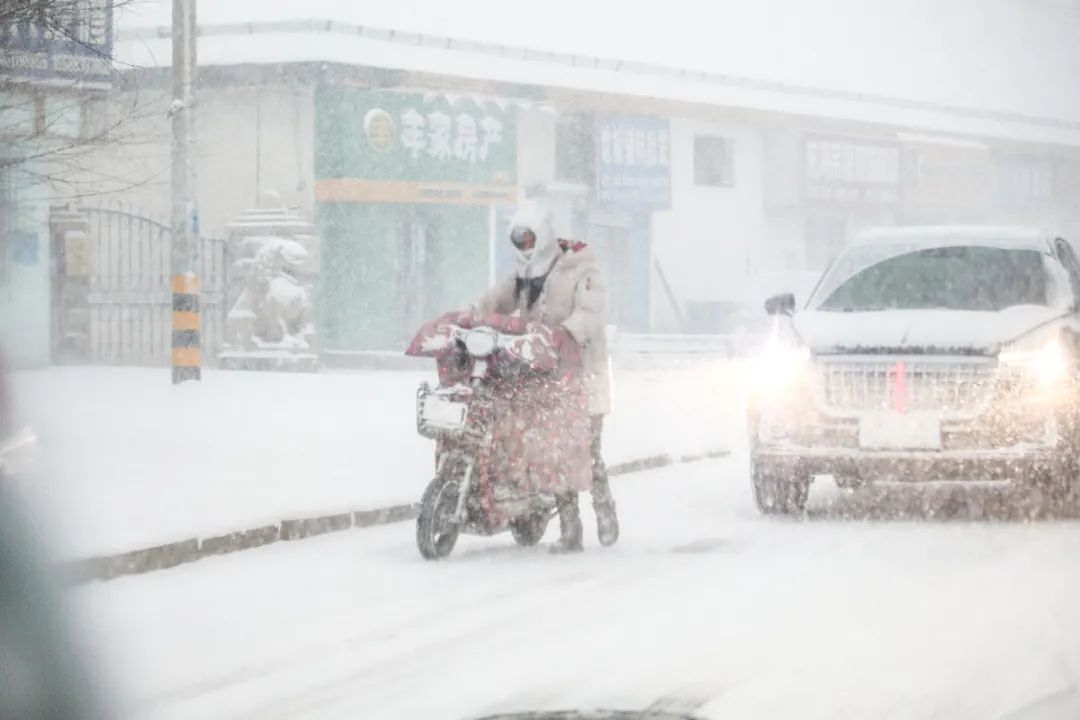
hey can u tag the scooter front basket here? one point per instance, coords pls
(440, 411)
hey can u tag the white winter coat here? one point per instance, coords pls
(575, 297)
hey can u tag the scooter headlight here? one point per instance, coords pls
(481, 342)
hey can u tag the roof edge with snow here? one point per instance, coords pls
(434, 54)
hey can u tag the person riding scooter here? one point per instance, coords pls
(559, 283)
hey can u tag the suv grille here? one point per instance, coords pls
(953, 386)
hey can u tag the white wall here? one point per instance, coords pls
(784, 249)
(535, 147)
(249, 140)
(252, 140)
(711, 236)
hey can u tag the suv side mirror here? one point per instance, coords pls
(782, 304)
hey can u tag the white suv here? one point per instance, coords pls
(933, 353)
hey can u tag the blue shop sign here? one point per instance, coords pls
(633, 162)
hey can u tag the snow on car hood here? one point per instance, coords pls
(919, 330)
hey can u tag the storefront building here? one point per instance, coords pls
(406, 188)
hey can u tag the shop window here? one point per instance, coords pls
(418, 277)
(94, 117)
(714, 161)
(575, 149)
(1024, 182)
(62, 116)
(18, 114)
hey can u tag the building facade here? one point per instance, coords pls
(701, 193)
(48, 80)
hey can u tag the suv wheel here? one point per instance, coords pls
(777, 493)
(1057, 487)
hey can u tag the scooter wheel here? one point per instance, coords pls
(436, 530)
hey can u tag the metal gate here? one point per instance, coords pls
(129, 295)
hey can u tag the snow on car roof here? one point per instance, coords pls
(936, 235)
(876, 245)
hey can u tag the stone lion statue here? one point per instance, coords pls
(274, 310)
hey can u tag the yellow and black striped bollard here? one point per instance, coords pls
(186, 324)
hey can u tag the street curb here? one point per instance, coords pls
(169, 555)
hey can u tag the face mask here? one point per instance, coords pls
(524, 240)
(534, 240)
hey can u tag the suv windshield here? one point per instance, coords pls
(953, 278)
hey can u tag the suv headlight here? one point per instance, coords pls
(778, 367)
(1048, 363)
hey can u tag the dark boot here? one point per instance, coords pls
(570, 531)
(607, 521)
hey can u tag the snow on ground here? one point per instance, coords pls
(703, 604)
(129, 461)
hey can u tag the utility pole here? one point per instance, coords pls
(186, 321)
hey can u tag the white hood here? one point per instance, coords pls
(919, 330)
(535, 215)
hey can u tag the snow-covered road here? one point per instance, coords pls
(128, 461)
(702, 605)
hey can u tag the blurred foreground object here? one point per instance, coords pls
(17, 452)
(16, 446)
(41, 673)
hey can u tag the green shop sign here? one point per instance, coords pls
(383, 135)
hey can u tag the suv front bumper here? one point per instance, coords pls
(911, 466)
(808, 443)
